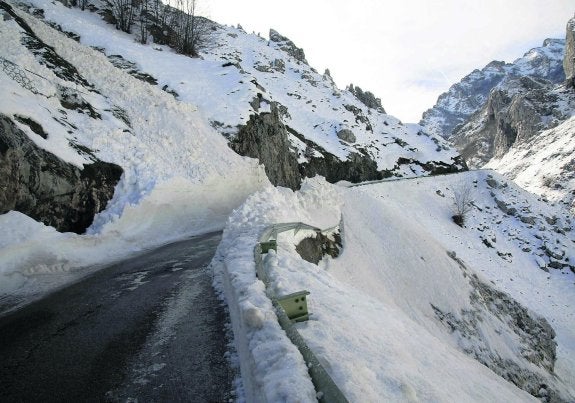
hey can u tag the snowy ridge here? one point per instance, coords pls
(379, 310)
(464, 98)
(225, 83)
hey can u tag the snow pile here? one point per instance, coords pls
(180, 178)
(544, 164)
(390, 317)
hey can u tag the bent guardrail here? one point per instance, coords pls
(326, 389)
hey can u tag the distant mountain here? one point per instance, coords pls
(464, 98)
(514, 118)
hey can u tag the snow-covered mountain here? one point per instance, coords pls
(464, 98)
(415, 305)
(521, 127)
(513, 114)
(261, 95)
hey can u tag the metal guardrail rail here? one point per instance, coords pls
(326, 389)
(396, 179)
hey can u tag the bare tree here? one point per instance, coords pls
(191, 32)
(143, 19)
(462, 202)
(123, 11)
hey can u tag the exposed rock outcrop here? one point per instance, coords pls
(530, 366)
(287, 46)
(513, 113)
(569, 59)
(366, 97)
(40, 185)
(265, 137)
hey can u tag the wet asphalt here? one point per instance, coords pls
(149, 329)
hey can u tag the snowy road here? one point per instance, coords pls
(150, 328)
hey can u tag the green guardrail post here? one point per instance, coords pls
(295, 306)
(271, 244)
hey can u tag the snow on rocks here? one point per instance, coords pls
(239, 67)
(180, 178)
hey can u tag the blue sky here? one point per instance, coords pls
(406, 52)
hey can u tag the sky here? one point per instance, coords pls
(406, 52)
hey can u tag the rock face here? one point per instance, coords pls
(513, 113)
(38, 184)
(463, 99)
(287, 46)
(367, 98)
(569, 59)
(265, 137)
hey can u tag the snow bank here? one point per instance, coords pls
(373, 326)
(35, 258)
(272, 368)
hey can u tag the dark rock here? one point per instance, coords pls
(40, 185)
(367, 98)
(346, 135)
(313, 249)
(288, 46)
(569, 59)
(265, 137)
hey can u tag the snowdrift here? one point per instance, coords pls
(414, 301)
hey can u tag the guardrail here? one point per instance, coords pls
(326, 389)
(395, 179)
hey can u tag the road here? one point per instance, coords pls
(149, 329)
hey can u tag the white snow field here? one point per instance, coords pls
(372, 324)
(180, 177)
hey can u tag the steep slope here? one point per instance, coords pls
(513, 114)
(414, 301)
(544, 164)
(179, 175)
(463, 99)
(242, 77)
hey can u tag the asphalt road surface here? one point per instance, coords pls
(149, 329)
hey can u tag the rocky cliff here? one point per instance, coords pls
(42, 186)
(569, 59)
(463, 99)
(523, 127)
(513, 114)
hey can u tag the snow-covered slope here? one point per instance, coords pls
(544, 164)
(464, 98)
(416, 307)
(180, 177)
(224, 84)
